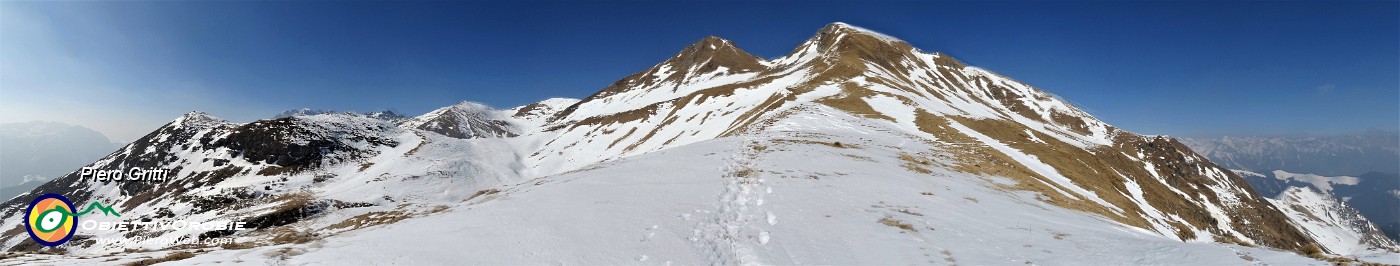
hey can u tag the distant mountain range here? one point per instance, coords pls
(1351, 154)
(35, 152)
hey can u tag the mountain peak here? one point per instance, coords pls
(470, 105)
(708, 57)
(711, 53)
(838, 28)
(839, 31)
(840, 42)
(197, 119)
(464, 120)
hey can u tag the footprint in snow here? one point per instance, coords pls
(649, 234)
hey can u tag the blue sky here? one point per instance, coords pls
(1179, 68)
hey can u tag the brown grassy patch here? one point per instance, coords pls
(1305, 212)
(1311, 250)
(415, 148)
(370, 219)
(891, 222)
(483, 192)
(275, 170)
(365, 165)
(834, 144)
(623, 117)
(852, 100)
(744, 172)
(748, 118)
(759, 148)
(1182, 231)
(292, 236)
(237, 245)
(858, 157)
(1232, 240)
(909, 212)
(624, 136)
(916, 164)
(670, 118)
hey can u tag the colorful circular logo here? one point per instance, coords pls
(50, 220)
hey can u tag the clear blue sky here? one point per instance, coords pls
(1180, 68)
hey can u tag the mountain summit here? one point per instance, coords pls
(856, 148)
(710, 55)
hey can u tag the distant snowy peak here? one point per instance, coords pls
(1348, 154)
(197, 119)
(540, 113)
(387, 115)
(1339, 228)
(1323, 183)
(465, 120)
(302, 112)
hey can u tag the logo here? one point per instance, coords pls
(50, 219)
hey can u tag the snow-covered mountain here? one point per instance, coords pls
(1375, 195)
(855, 148)
(464, 120)
(1360, 169)
(1336, 227)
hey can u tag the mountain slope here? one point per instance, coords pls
(762, 199)
(1375, 195)
(1005, 128)
(1337, 227)
(713, 156)
(464, 120)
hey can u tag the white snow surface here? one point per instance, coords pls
(1323, 183)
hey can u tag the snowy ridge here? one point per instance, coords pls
(466, 120)
(1350, 154)
(711, 157)
(1323, 183)
(537, 115)
(1336, 227)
